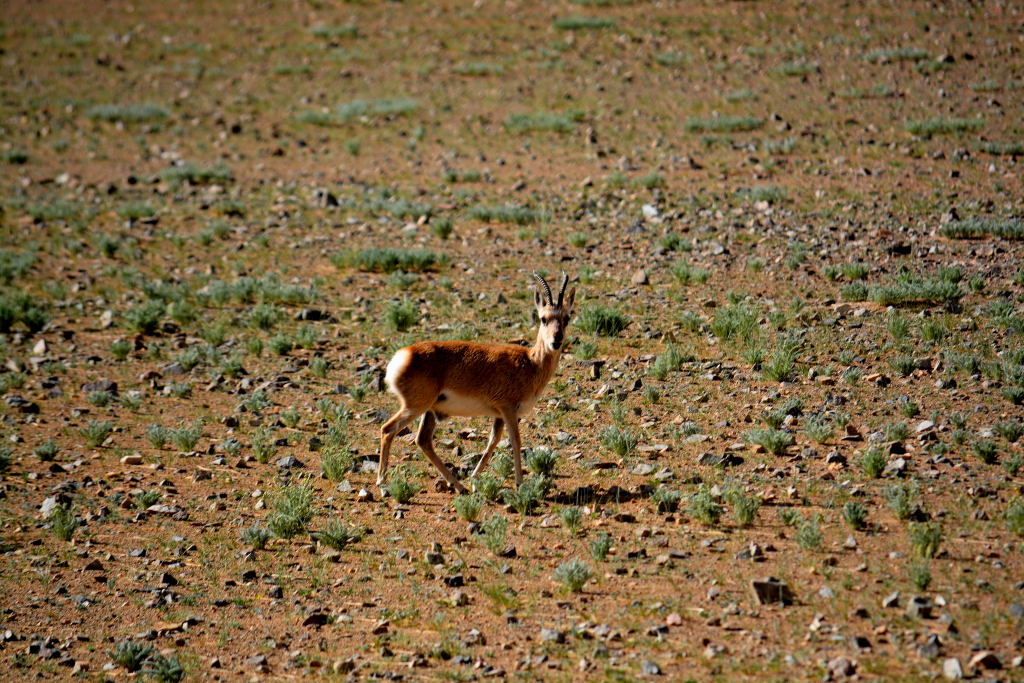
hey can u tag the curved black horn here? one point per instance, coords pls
(561, 292)
(547, 289)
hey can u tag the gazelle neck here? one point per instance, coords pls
(542, 355)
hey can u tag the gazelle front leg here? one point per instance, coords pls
(388, 432)
(496, 430)
(425, 440)
(513, 434)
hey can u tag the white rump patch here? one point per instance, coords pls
(396, 366)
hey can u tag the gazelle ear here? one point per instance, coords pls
(536, 299)
(569, 300)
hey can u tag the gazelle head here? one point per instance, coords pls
(554, 315)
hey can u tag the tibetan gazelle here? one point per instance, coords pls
(436, 379)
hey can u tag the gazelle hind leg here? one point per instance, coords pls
(388, 431)
(425, 440)
(496, 430)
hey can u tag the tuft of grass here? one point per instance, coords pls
(441, 228)
(1011, 430)
(127, 113)
(703, 507)
(488, 486)
(96, 432)
(666, 499)
(478, 69)
(165, 669)
(47, 450)
(686, 274)
(144, 318)
(773, 441)
(579, 23)
(517, 215)
(256, 536)
(572, 518)
(873, 461)
(400, 315)
(744, 507)
(335, 31)
(527, 497)
(808, 534)
(541, 460)
(336, 461)
(893, 55)
(339, 535)
(600, 546)
(723, 124)
(920, 575)
(914, 291)
(797, 67)
(469, 506)
(131, 654)
(736, 321)
(292, 510)
(193, 174)
(974, 228)
(925, 538)
(1015, 149)
(400, 487)
(986, 450)
(186, 438)
(64, 522)
(818, 428)
(147, 499)
(388, 260)
(942, 126)
(543, 121)
(602, 320)
(618, 440)
(670, 360)
(854, 515)
(1015, 516)
(573, 574)
(494, 533)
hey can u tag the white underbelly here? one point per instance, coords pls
(453, 403)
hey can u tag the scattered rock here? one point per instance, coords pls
(552, 635)
(919, 607)
(133, 459)
(639, 277)
(842, 667)
(315, 618)
(891, 600)
(650, 668)
(289, 462)
(770, 591)
(952, 670)
(932, 647)
(985, 660)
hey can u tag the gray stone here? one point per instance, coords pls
(552, 635)
(952, 670)
(841, 667)
(919, 607)
(650, 668)
(770, 591)
(891, 600)
(985, 660)
(932, 647)
(289, 462)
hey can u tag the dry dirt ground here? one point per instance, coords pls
(816, 367)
